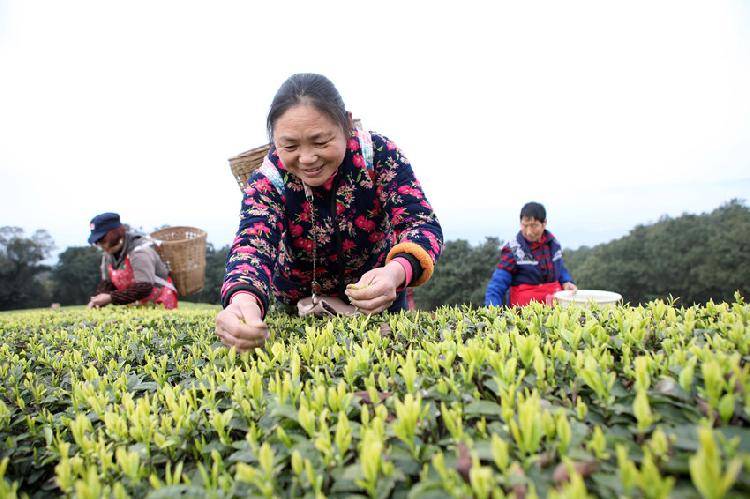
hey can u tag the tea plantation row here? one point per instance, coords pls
(647, 401)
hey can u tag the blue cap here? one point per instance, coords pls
(101, 224)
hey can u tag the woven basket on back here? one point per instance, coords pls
(246, 163)
(183, 249)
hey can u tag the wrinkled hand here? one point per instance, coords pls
(569, 286)
(100, 300)
(241, 325)
(376, 290)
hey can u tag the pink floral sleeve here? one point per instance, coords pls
(255, 248)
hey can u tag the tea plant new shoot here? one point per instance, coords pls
(562, 430)
(6, 489)
(450, 481)
(705, 468)
(500, 453)
(526, 346)
(343, 436)
(306, 418)
(597, 444)
(659, 444)
(642, 411)
(408, 415)
(482, 480)
(171, 477)
(598, 379)
(647, 480)
(452, 421)
(687, 374)
(129, 463)
(575, 488)
(371, 461)
(408, 371)
(262, 478)
(220, 421)
(527, 428)
(581, 409)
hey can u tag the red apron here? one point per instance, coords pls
(165, 295)
(523, 294)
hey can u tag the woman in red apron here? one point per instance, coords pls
(132, 271)
(531, 265)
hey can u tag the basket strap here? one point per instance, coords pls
(365, 144)
(269, 170)
(158, 280)
(164, 283)
(144, 246)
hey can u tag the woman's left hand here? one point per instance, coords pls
(376, 290)
(100, 300)
(569, 286)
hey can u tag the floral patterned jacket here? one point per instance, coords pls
(374, 210)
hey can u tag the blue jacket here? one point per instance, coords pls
(518, 266)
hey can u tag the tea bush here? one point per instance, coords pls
(648, 401)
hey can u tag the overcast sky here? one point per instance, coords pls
(611, 114)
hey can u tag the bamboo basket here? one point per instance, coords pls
(243, 165)
(183, 249)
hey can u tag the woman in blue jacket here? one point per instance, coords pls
(531, 265)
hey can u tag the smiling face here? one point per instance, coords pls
(310, 144)
(532, 229)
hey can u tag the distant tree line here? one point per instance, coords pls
(22, 273)
(692, 257)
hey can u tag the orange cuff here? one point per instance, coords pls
(420, 254)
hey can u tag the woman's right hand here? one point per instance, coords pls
(241, 325)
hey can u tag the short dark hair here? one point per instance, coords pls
(313, 89)
(535, 211)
